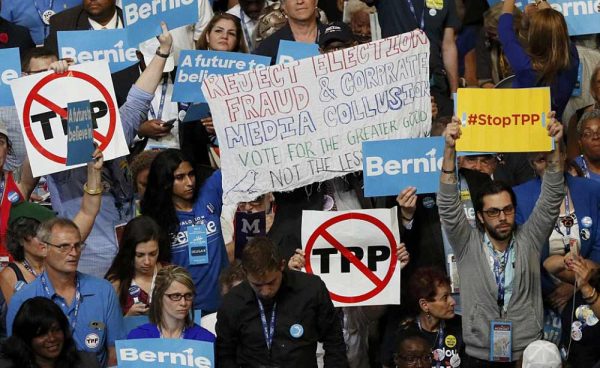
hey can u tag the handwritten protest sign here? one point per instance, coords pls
(164, 353)
(582, 16)
(290, 51)
(111, 45)
(43, 114)
(503, 120)
(293, 124)
(390, 166)
(10, 69)
(197, 65)
(143, 17)
(355, 254)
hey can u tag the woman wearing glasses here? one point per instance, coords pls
(170, 315)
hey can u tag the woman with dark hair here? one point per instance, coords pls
(26, 250)
(430, 297)
(223, 33)
(144, 249)
(41, 338)
(549, 59)
(188, 208)
(171, 313)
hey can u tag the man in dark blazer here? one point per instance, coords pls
(94, 14)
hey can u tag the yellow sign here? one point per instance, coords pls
(503, 120)
(434, 4)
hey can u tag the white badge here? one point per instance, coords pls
(455, 360)
(47, 15)
(432, 12)
(92, 340)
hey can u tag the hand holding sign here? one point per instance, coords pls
(403, 255)
(407, 200)
(61, 66)
(555, 129)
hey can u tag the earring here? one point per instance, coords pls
(428, 315)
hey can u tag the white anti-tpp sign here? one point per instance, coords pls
(41, 102)
(355, 254)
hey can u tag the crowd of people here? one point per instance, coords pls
(501, 264)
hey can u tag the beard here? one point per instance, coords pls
(500, 235)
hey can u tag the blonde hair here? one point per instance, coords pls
(548, 43)
(164, 278)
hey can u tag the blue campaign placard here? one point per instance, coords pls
(10, 68)
(164, 353)
(195, 65)
(80, 139)
(291, 51)
(142, 17)
(582, 17)
(106, 44)
(392, 165)
(131, 322)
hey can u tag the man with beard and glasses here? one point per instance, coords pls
(498, 262)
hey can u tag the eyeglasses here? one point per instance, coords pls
(177, 296)
(414, 360)
(66, 248)
(590, 134)
(495, 212)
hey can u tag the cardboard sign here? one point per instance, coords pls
(197, 65)
(291, 51)
(164, 353)
(293, 124)
(43, 114)
(247, 226)
(355, 254)
(503, 120)
(111, 45)
(80, 140)
(143, 17)
(390, 166)
(10, 69)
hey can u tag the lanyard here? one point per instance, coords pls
(77, 299)
(568, 221)
(500, 275)
(584, 167)
(29, 268)
(2, 186)
(268, 329)
(247, 34)
(161, 104)
(421, 23)
(439, 339)
(41, 14)
(152, 285)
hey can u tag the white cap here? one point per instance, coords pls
(541, 354)
(148, 49)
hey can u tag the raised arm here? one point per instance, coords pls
(452, 215)
(152, 75)
(92, 196)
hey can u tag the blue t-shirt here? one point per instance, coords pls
(29, 14)
(98, 323)
(207, 210)
(150, 331)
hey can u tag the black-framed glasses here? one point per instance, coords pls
(66, 248)
(177, 296)
(415, 359)
(495, 212)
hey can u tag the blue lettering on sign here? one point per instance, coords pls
(390, 166)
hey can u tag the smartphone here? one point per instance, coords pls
(169, 122)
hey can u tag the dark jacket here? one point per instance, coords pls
(302, 300)
(270, 45)
(76, 19)
(17, 36)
